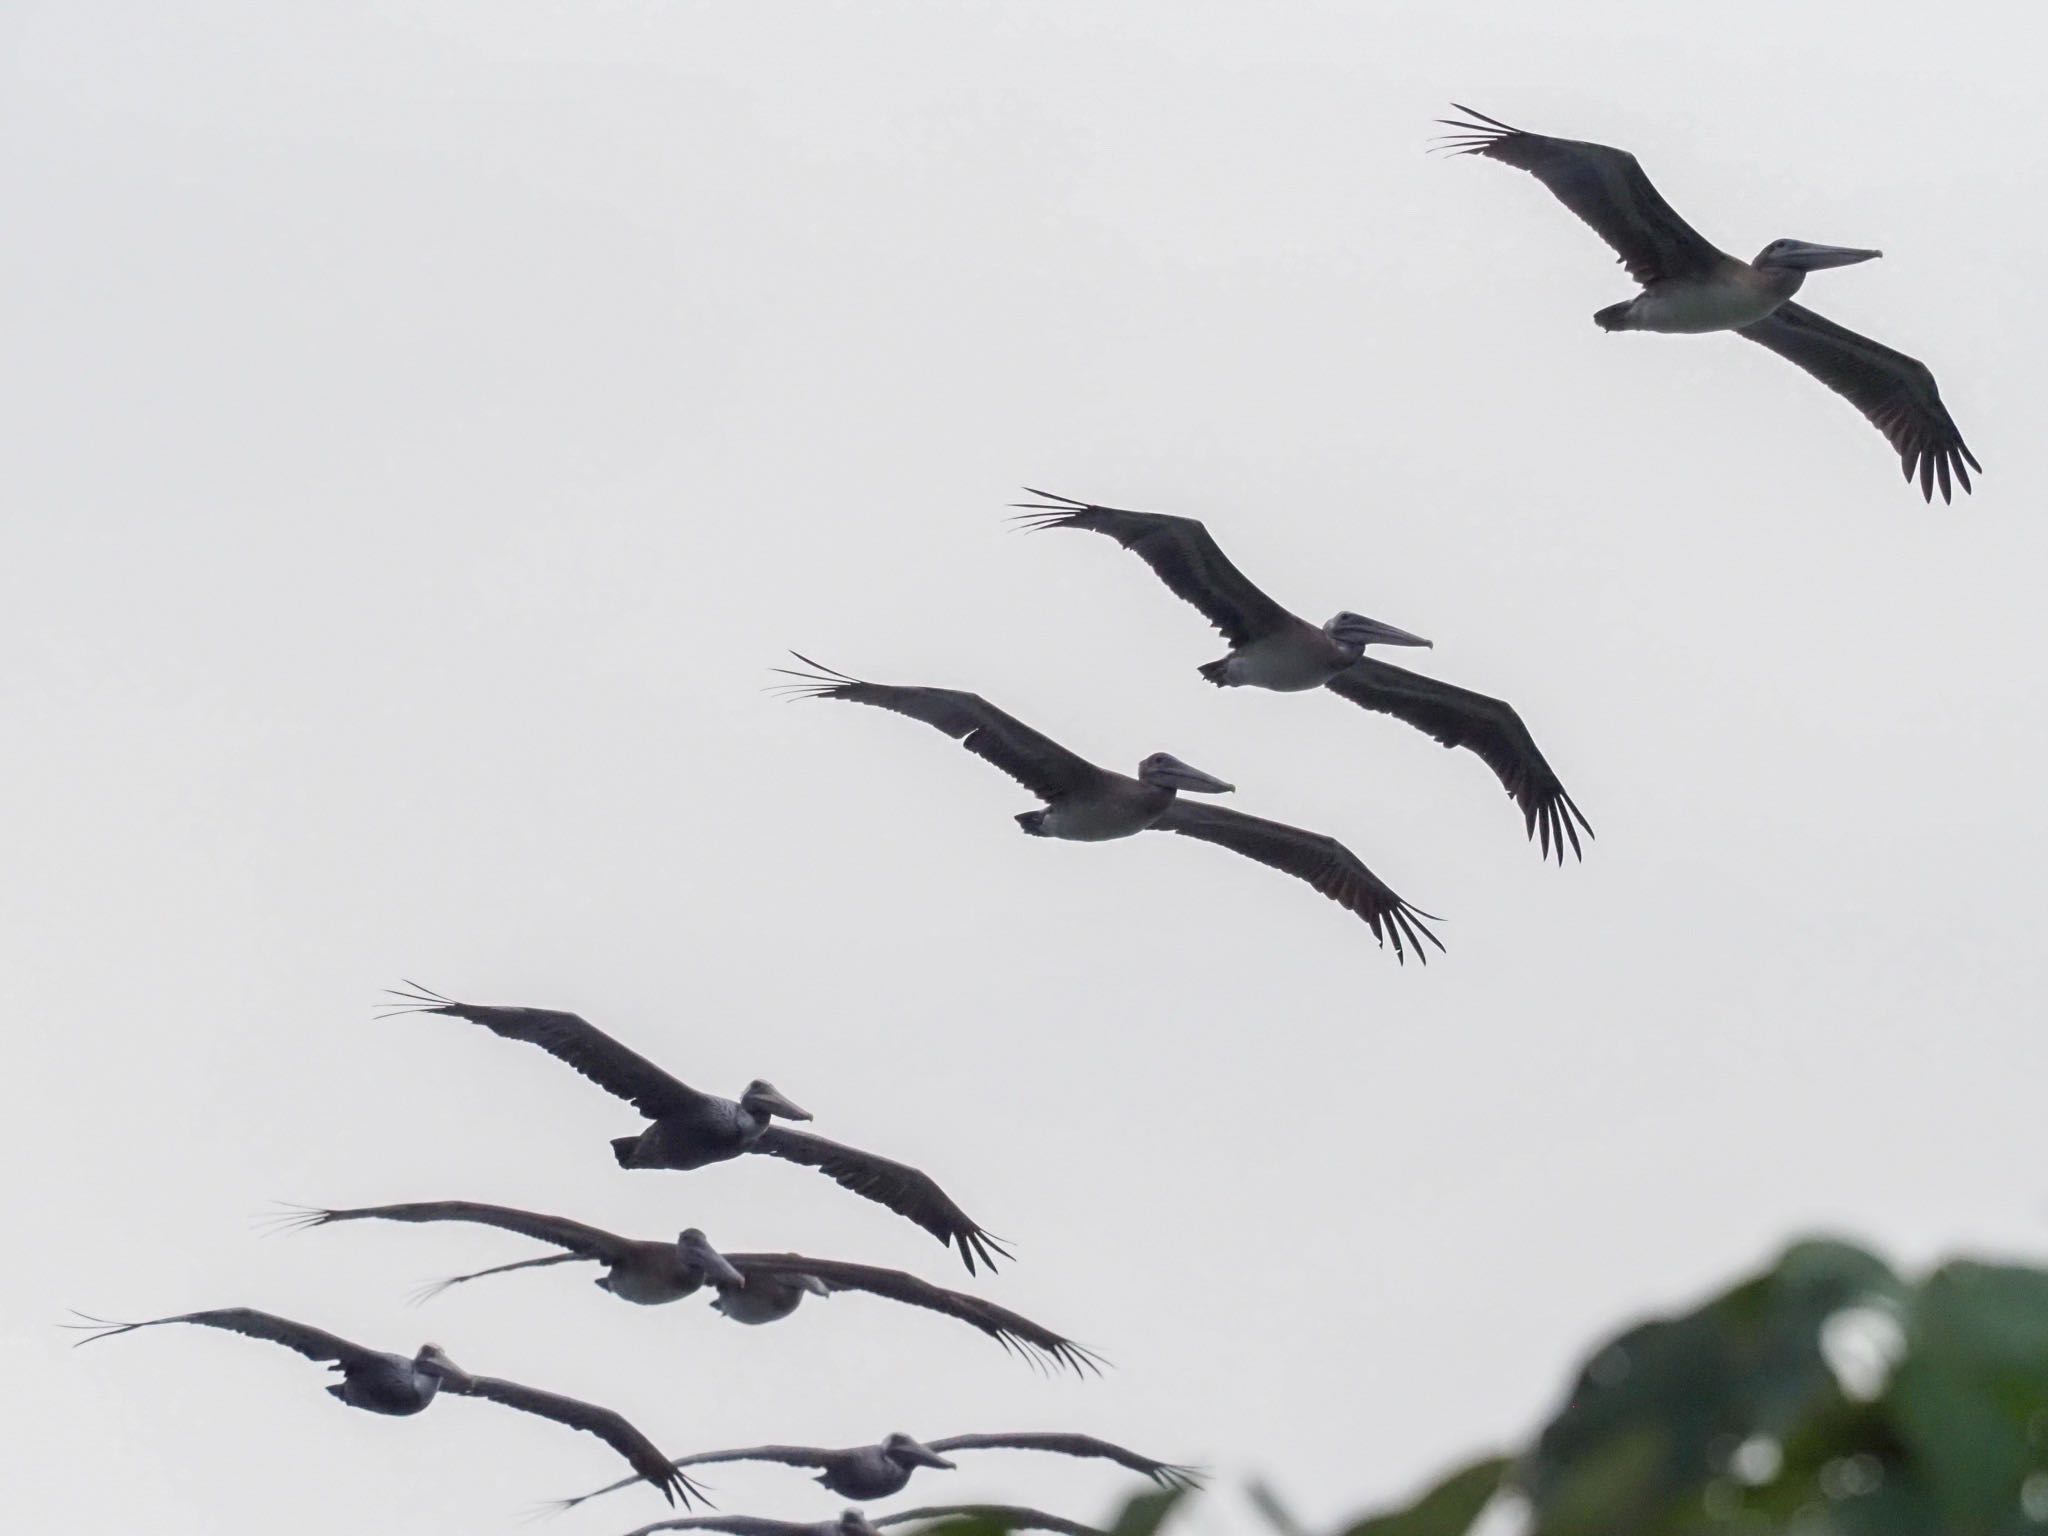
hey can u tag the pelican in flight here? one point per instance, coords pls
(1012, 1517)
(1689, 285)
(750, 1287)
(402, 1385)
(1087, 804)
(866, 1472)
(692, 1129)
(1272, 648)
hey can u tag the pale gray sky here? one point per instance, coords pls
(424, 425)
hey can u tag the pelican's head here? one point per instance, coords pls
(905, 1451)
(1805, 256)
(854, 1523)
(696, 1250)
(762, 1098)
(1169, 772)
(433, 1359)
(1353, 632)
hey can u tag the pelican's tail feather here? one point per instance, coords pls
(1615, 317)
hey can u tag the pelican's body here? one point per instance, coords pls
(708, 1131)
(1292, 659)
(1115, 807)
(1734, 294)
(753, 1288)
(1007, 1517)
(398, 1385)
(1691, 286)
(1085, 803)
(766, 1297)
(691, 1129)
(654, 1274)
(865, 1472)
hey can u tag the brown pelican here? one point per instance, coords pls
(1689, 285)
(866, 1472)
(395, 1384)
(1088, 804)
(692, 1129)
(854, 1523)
(751, 1287)
(1271, 648)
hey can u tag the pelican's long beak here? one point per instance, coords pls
(1811, 258)
(1356, 629)
(1168, 771)
(775, 1103)
(451, 1374)
(720, 1269)
(717, 1268)
(925, 1456)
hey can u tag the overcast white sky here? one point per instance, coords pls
(424, 424)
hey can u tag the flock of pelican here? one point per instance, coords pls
(688, 1129)
(1270, 648)
(1687, 286)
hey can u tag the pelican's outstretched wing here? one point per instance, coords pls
(1604, 186)
(573, 1040)
(1037, 762)
(1894, 391)
(1322, 861)
(791, 1455)
(1458, 717)
(610, 1427)
(901, 1188)
(1181, 554)
(313, 1343)
(1164, 1473)
(581, 1241)
(1015, 1516)
(434, 1288)
(737, 1525)
(1010, 1329)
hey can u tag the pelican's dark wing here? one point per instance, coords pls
(313, 1343)
(791, 1455)
(574, 1040)
(1164, 1473)
(1181, 554)
(434, 1288)
(1894, 391)
(1010, 1329)
(738, 1525)
(1037, 762)
(610, 1427)
(1458, 717)
(1322, 861)
(1014, 1516)
(1604, 186)
(902, 1189)
(581, 1241)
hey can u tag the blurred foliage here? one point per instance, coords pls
(1825, 1396)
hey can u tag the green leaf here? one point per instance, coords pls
(1657, 1412)
(1970, 1397)
(1448, 1509)
(1146, 1513)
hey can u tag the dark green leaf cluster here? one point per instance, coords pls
(1824, 1396)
